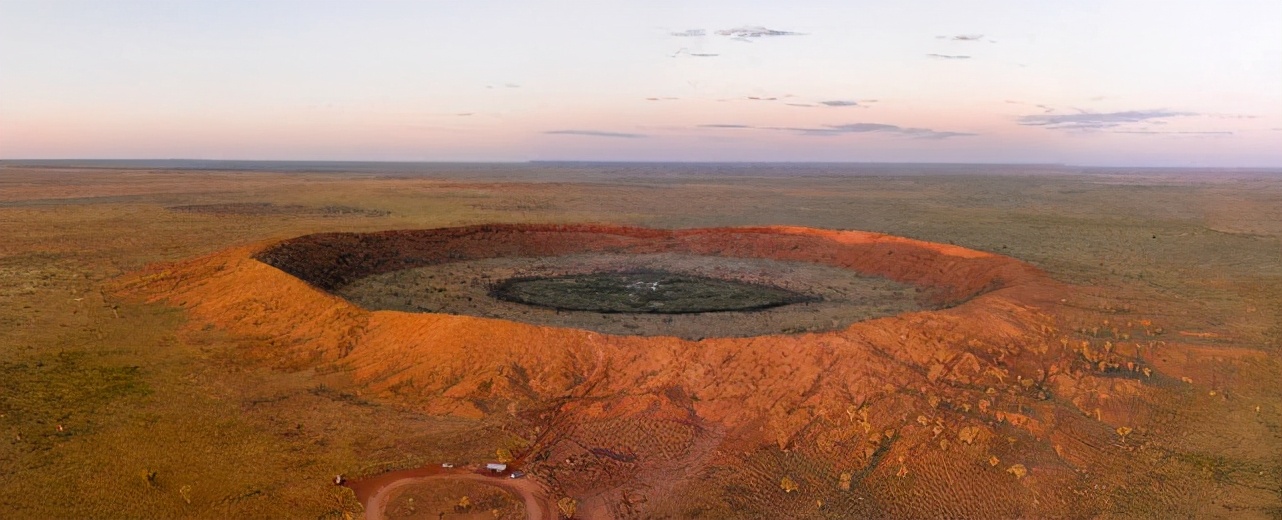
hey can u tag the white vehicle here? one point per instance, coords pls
(447, 465)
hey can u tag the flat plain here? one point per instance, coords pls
(121, 402)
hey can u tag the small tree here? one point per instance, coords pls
(568, 506)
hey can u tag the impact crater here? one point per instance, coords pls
(691, 284)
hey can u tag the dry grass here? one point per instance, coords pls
(157, 423)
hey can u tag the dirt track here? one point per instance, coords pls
(374, 492)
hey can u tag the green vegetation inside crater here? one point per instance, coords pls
(656, 292)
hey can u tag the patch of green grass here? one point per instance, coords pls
(55, 396)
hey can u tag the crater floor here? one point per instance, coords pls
(613, 294)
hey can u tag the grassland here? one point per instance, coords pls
(116, 408)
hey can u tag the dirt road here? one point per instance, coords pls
(373, 492)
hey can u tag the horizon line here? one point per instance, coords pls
(144, 161)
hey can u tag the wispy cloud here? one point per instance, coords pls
(965, 37)
(840, 103)
(853, 128)
(1163, 132)
(1046, 109)
(862, 128)
(948, 56)
(1098, 120)
(689, 33)
(596, 133)
(755, 31)
(687, 52)
(972, 37)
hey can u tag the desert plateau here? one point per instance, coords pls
(865, 341)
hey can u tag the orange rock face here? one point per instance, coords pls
(901, 416)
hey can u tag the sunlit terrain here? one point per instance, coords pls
(1047, 342)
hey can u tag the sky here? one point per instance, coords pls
(1086, 82)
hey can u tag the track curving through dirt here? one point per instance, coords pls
(374, 492)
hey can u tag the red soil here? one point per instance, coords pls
(935, 395)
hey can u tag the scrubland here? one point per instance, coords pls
(113, 406)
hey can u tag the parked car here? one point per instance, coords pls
(447, 465)
(517, 474)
